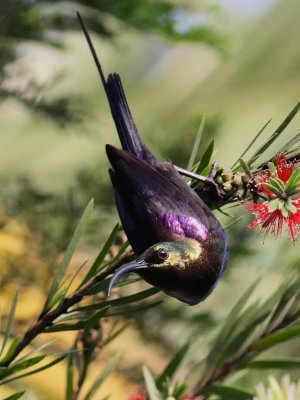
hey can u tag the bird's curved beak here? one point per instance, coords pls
(132, 266)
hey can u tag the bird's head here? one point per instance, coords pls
(183, 269)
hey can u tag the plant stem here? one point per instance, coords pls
(233, 363)
(41, 324)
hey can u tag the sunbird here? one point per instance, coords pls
(180, 245)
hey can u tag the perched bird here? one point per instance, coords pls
(181, 247)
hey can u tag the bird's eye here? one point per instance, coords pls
(162, 254)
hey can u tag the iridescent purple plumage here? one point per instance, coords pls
(184, 226)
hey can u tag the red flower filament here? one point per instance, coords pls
(279, 187)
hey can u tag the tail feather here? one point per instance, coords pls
(126, 127)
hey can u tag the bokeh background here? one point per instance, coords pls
(236, 62)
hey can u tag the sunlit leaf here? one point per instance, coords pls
(275, 135)
(10, 321)
(15, 396)
(196, 144)
(70, 252)
(20, 366)
(172, 367)
(100, 258)
(35, 371)
(150, 385)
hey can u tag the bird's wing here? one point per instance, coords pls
(154, 208)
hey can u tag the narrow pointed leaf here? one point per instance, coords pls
(122, 300)
(70, 252)
(36, 350)
(285, 363)
(150, 385)
(15, 396)
(196, 144)
(17, 367)
(205, 160)
(10, 322)
(70, 376)
(290, 143)
(172, 366)
(79, 325)
(129, 311)
(100, 258)
(280, 336)
(246, 168)
(275, 135)
(12, 348)
(229, 392)
(252, 142)
(115, 334)
(104, 374)
(35, 371)
(230, 324)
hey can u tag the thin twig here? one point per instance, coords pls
(47, 320)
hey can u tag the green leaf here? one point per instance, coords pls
(229, 326)
(274, 204)
(99, 287)
(205, 160)
(246, 168)
(11, 348)
(70, 375)
(10, 321)
(20, 366)
(118, 255)
(122, 300)
(115, 334)
(131, 310)
(104, 374)
(280, 336)
(36, 350)
(15, 396)
(196, 144)
(290, 143)
(58, 297)
(272, 189)
(284, 363)
(252, 142)
(293, 180)
(275, 135)
(170, 370)
(278, 184)
(272, 168)
(152, 390)
(70, 252)
(35, 371)
(100, 258)
(290, 206)
(89, 323)
(229, 392)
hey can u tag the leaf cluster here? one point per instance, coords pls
(251, 329)
(63, 311)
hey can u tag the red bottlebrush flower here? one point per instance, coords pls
(279, 186)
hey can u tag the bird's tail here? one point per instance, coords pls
(126, 127)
